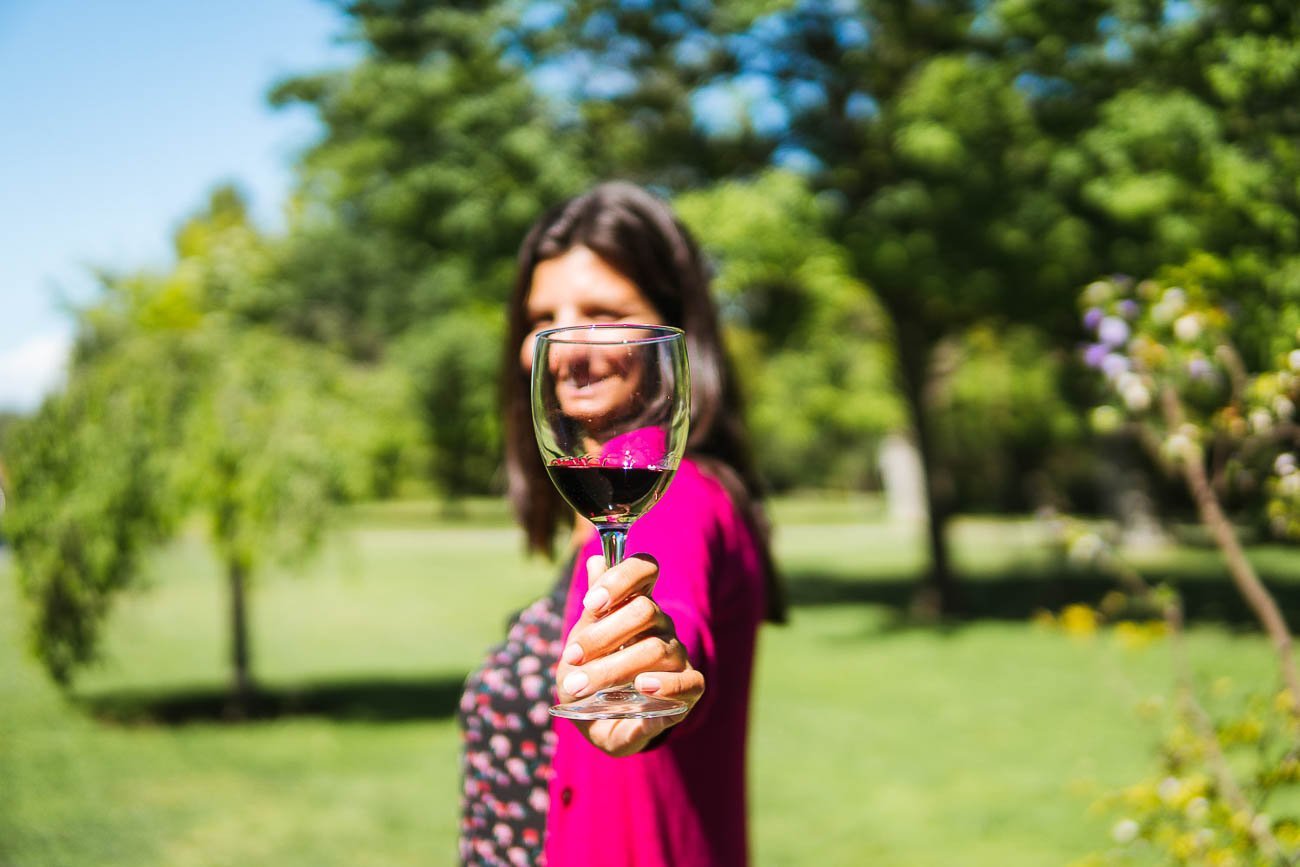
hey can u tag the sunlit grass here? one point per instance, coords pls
(874, 740)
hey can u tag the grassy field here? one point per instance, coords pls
(874, 741)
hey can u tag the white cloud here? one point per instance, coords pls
(33, 369)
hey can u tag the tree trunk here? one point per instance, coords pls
(938, 593)
(1243, 574)
(239, 702)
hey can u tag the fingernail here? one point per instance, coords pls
(596, 599)
(576, 683)
(646, 683)
(572, 654)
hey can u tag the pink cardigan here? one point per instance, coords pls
(682, 802)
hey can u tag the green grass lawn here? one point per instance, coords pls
(874, 741)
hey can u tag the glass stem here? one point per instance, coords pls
(613, 542)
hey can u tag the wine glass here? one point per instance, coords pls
(611, 407)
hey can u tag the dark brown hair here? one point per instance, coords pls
(638, 235)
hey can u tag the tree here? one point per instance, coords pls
(280, 433)
(170, 410)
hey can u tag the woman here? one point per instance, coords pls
(674, 619)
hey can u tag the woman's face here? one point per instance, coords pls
(580, 288)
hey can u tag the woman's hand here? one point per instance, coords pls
(622, 637)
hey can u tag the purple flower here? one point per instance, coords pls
(1199, 368)
(1092, 318)
(1113, 331)
(1094, 354)
(1129, 309)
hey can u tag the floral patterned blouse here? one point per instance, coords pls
(508, 740)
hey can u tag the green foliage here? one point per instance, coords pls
(91, 485)
(280, 433)
(437, 155)
(454, 363)
(627, 75)
(1210, 134)
(803, 333)
(1007, 434)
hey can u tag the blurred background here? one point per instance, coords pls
(253, 267)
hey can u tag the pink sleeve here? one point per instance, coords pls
(683, 533)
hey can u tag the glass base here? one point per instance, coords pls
(619, 703)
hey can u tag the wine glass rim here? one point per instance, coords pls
(661, 333)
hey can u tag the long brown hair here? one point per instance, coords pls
(638, 235)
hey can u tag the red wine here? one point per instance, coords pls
(609, 494)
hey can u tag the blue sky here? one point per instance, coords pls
(117, 118)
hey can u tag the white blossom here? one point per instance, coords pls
(1136, 397)
(1169, 789)
(1125, 831)
(1114, 364)
(1113, 331)
(1178, 445)
(1187, 328)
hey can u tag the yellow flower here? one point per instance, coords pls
(1284, 702)
(1221, 858)
(1190, 843)
(1142, 796)
(1132, 636)
(1247, 730)
(1079, 620)
(1288, 834)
